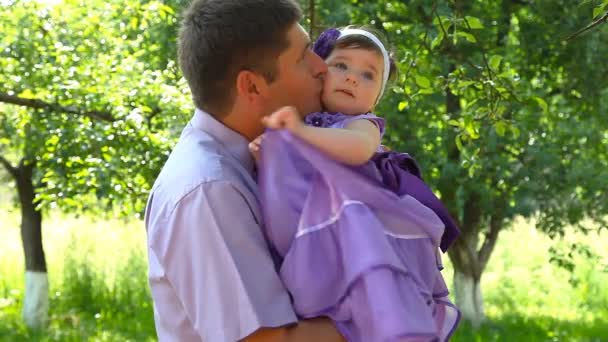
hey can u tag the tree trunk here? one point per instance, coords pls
(467, 290)
(469, 261)
(470, 257)
(35, 305)
(467, 276)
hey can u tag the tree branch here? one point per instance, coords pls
(600, 20)
(311, 15)
(39, 104)
(496, 221)
(434, 10)
(413, 62)
(483, 52)
(7, 165)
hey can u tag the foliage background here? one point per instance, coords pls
(99, 290)
(506, 117)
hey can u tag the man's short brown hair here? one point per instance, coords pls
(219, 38)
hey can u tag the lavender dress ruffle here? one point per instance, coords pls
(358, 244)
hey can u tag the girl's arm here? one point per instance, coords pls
(353, 145)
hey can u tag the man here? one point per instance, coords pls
(211, 272)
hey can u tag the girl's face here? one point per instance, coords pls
(353, 81)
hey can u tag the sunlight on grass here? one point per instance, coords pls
(527, 298)
(99, 291)
(106, 243)
(97, 274)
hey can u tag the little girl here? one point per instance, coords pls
(357, 229)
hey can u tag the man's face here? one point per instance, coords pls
(301, 71)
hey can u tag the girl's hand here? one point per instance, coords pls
(255, 147)
(284, 118)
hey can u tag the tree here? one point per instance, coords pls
(600, 16)
(505, 117)
(503, 114)
(89, 97)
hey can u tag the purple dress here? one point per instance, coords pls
(359, 244)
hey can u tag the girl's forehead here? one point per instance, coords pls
(358, 54)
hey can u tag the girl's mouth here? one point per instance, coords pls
(346, 91)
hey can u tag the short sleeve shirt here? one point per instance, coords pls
(211, 273)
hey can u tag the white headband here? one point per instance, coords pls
(375, 40)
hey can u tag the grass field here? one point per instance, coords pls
(97, 272)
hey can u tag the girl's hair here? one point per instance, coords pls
(356, 41)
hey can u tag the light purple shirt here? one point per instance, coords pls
(211, 274)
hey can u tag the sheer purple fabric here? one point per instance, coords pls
(359, 244)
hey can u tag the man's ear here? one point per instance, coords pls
(250, 86)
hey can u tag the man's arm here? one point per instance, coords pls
(318, 329)
(218, 265)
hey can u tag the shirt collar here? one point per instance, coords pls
(236, 144)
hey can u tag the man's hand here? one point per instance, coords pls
(284, 118)
(319, 329)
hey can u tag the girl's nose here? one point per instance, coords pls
(351, 79)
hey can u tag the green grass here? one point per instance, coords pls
(529, 299)
(97, 274)
(99, 291)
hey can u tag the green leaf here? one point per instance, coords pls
(474, 23)
(542, 103)
(465, 84)
(438, 40)
(458, 141)
(471, 127)
(472, 169)
(599, 10)
(402, 105)
(28, 94)
(422, 81)
(473, 133)
(469, 37)
(495, 61)
(500, 127)
(167, 9)
(445, 24)
(455, 123)
(576, 94)
(515, 131)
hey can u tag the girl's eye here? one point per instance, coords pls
(368, 75)
(341, 66)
